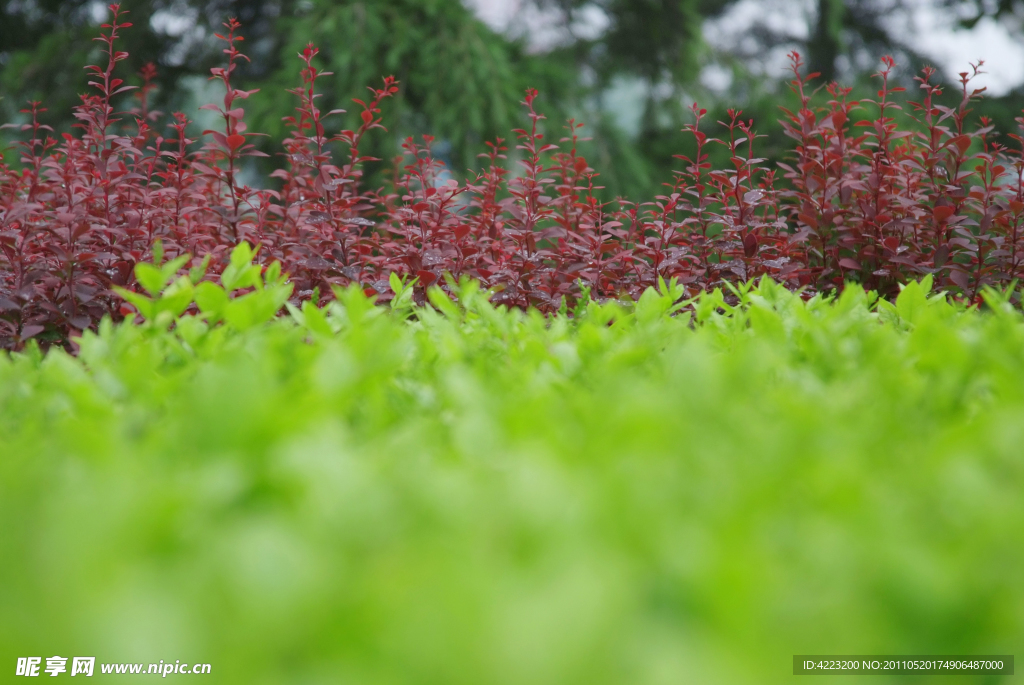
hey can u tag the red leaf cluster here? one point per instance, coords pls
(866, 196)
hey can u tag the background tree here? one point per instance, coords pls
(461, 81)
(458, 76)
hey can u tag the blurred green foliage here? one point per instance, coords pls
(462, 81)
(458, 79)
(457, 75)
(464, 494)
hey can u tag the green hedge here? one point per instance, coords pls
(468, 495)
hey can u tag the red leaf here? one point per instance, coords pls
(235, 141)
(962, 143)
(809, 220)
(941, 214)
(367, 116)
(750, 245)
(31, 331)
(960, 278)
(848, 263)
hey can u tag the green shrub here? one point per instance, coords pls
(466, 494)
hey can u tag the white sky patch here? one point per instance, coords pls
(731, 36)
(786, 17)
(925, 26)
(716, 78)
(99, 12)
(172, 23)
(542, 27)
(933, 33)
(624, 101)
(495, 13)
(181, 22)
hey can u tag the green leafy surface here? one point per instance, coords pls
(463, 494)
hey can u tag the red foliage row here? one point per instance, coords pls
(861, 200)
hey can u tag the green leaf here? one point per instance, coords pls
(211, 299)
(150, 277)
(158, 251)
(196, 273)
(397, 286)
(241, 255)
(315, 320)
(651, 306)
(170, 269)
(913, 300)
(176, 298)
(273, 274)
(439, 298)
(145, 305)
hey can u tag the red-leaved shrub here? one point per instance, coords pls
(861, 199)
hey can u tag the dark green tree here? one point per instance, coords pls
(460, 80)
(826, 43)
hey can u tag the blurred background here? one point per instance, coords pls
(629, 69)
